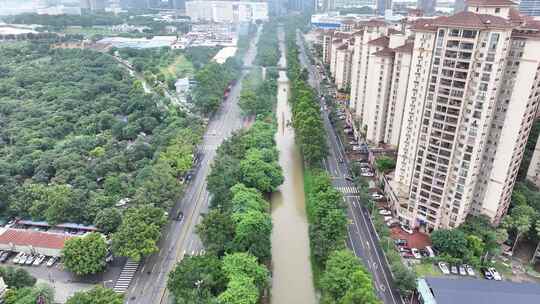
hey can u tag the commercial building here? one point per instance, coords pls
(530, 7)
(227, 11)
(474, 291)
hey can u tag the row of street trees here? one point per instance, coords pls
(236, 231)
(338, 272)
(267, 46)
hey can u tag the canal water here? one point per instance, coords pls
(292, 281)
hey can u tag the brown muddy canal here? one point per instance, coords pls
(292, 281)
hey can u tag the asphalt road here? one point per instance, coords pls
(179, 238)
(362, 238)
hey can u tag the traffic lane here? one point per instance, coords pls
(384, 287)
(361, 215)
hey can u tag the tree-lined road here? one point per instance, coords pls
(362, 237)
(179, 237)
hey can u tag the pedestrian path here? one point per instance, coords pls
(122, 284)
(348, 189)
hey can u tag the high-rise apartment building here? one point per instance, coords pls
(533, 172)
(530, 7)
(382, 6)
(427, 6)
(471, 99)
(457, 96)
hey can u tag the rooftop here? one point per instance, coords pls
(381, 41)
(36, 239)
(406, 48)
(469, 291)
(385, 52)
(491, 2)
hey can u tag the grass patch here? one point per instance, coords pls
(427, 270)
(179, 68)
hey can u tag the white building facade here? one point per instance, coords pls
(227, 11)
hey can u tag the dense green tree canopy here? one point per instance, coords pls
(17, 277)
(139, 232)
(85, 255)
(96, 295)
(197, 278)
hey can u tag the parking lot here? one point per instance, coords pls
(64, 282)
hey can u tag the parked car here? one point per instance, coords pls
(17, 257)
(51, 261)
(470, 270)
(5, 256)
(416, 253)
(444, 268)
(23, 258)
(407, 229)
(367, 174)
(377, 195)
(400, 242)
(385, 212)
(392, 223)
(462, 270)
(454, 269)
(404, 249)
(30, 259)
(495, 273)
(39, 260)
(487, 274)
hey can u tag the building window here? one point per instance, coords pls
(497, 10)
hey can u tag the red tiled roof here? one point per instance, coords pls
(385, 52)
(462, 19)
(474, 20)
(373, 23)
(491, 2)
(423, 25)
(37, 239)
(406, 48)
(381, 41)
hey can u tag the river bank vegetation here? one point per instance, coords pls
(338, 274)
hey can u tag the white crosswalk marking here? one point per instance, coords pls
(122, 284)
(348, 190)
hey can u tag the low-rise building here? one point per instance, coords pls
(33, 242)
(474, 291)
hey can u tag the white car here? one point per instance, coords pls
(407, 229)
(23, 258)
(369, 174)
(495, 273)
(51, 261)
(444, 268)
(470, 270)
(385, 212)
(462, 270)
(376, 195)
(388, 218)
(39, 260)
(17, 257)
(416, 253)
